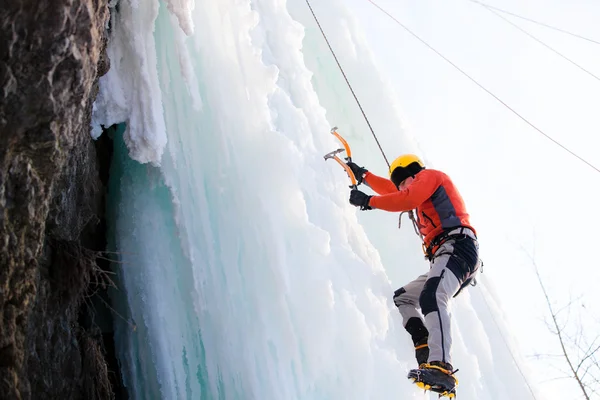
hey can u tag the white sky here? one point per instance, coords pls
(521, 189)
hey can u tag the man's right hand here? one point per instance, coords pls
(358, 171)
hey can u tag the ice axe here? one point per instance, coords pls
(335, 133)
(333, 155)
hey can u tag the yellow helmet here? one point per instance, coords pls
(405, 166)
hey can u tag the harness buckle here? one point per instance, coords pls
(440, 240)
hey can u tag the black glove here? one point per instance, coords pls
(360, 199)
(358, 171)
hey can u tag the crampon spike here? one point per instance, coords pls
(420, 378)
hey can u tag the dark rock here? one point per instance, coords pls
(51, 198)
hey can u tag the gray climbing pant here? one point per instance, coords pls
(453, 266)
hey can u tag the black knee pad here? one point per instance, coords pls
(417, 329)
(427, 299)
(397, 295)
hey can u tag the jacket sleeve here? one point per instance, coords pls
(378, 184)
(422, 188)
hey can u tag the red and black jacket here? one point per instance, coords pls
(439, 206)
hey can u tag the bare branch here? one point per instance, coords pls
(588, 354)
(578, 352)
(560, 334)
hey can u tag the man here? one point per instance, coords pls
(451, 247)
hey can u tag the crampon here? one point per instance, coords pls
(435, 379)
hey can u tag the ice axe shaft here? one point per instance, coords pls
(335, 133)
(348, 170)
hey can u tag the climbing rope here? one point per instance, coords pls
(348, 83)
(535, 22)
(354, 185)
(496, 13)
(487, 305)
(484, 88)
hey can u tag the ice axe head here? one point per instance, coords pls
(332, 154)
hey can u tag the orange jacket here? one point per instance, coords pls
(438, 204)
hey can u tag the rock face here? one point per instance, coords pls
(51, 198)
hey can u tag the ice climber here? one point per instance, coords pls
(451, 247)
